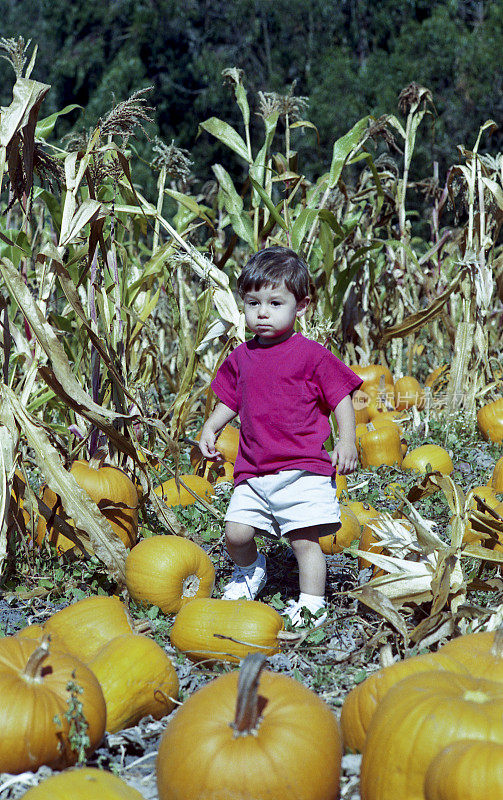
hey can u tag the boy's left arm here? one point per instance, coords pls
(345, 454)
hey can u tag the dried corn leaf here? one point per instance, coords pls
(76, 502)
(378, 601)
(406, 580)
(415, 322)
(49, 341)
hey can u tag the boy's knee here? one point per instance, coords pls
(238, 533)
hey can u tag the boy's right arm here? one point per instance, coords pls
(218, 418)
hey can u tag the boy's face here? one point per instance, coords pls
(271, 311)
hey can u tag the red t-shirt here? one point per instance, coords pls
(284, 394)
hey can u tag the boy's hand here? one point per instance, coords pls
(207, 444)
(345, 457)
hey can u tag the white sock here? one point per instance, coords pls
(312, 601)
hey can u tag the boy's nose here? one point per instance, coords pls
(262, 311)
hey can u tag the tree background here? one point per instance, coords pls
(349, 57)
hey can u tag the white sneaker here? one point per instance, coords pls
(245, 583)
(297, 613)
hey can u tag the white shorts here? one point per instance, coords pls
(281, 503)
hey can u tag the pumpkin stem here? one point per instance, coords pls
(249, 704)
(32, 669)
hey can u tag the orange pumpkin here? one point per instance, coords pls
(168, 572)
(209, 629)
(418, 717)
(432, 454)
(174, 495)
(408, 393)
(490, 421)
(35, 696)
(381, 446)
(227, 444)
(137, 678)
(472, 654)
(83, 627)
(83, 783)
(250, 739)
(113, 492)
(466, 770)
(350, 529)
(496, 481)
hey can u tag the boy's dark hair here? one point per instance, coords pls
(272, 266)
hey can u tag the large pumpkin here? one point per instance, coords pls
(238, 741)
(168, 571)
(137, 678)
(466, 770)
(490, 421)
(85, 626)
(85, 783)
(473, 654)
(226, 630)
(34, 706)
(432, 454)
(113, 492)
(418, 718)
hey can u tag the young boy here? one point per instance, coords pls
(283, 386)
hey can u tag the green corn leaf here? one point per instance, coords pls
(343, 147)
(46, 126)
(227, 135)
(304, 220)
(192, 205)
(269, 204)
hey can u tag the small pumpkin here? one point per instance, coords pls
(490, 421)
(491, 499)
(34, 697)
(438, 377)
(466, 770)
(137, 678)
(350, 529)
(113, 492)
(408, 393)
(381, 446)
(363, 511)
(372, 374)
(174, 495)
(236, 740)
(360, 402)
(417, 718)
(227, 443)
(85, 783)
(432, 454)
(226, 630)
(497, 476)
(85, 626)
(168, 572)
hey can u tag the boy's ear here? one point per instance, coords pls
(302, 306)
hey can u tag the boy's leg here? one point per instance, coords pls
(250, 574)
(312, 576)
(312, 564)
(240, 543)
